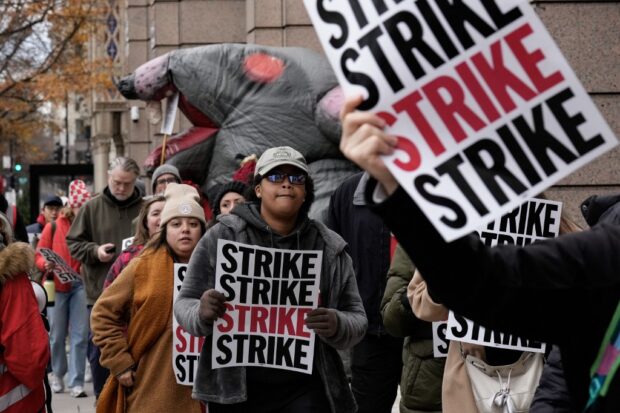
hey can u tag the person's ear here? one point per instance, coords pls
(257, 191)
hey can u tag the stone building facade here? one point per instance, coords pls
(588, 33)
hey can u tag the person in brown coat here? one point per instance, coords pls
(132, 320)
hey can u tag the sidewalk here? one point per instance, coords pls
(64, 403)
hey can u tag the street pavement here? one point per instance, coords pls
(64, 403)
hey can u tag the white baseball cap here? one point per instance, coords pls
(281, 155)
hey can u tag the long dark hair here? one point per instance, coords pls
(305, 207)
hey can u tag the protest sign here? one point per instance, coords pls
(268, 293)
(172, 105)
(533, 220)
(62, 270)
(486, 109)
(440, 341)
(126, 243)
(461, 329)
(185, 347)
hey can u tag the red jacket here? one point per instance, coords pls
(23, 339)
(59, 246)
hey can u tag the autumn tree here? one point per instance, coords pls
(44, 58)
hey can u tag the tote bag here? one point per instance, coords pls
(505, 389)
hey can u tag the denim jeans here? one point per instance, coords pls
(69, 315)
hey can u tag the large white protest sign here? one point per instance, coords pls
(486, 109)
(269, 292)
(185, 347)
(63, 271)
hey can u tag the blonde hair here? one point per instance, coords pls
(68, 213)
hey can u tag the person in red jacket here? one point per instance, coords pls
(68, 315)
(24, 349)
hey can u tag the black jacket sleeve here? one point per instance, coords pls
(563, 283)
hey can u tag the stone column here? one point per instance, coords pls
(101, 142)
(101, 150)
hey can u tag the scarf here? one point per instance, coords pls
(152, 301)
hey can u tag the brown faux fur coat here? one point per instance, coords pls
(15, 259)
(132, 324)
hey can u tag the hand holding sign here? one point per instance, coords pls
(49, 266)
(363, 142)
(480, 123)
(212, 305)
(54, 263)
(323, 321)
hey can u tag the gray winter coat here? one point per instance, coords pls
(338, 290)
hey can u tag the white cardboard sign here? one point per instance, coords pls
(486, 109)
(185, 347)
(268, 293)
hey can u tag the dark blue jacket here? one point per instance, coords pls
(552, 394)
(368, 242)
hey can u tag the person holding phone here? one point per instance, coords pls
(100, 225)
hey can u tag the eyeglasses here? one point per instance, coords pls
(294, 179)
(165, 181)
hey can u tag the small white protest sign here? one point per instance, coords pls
(185, 347)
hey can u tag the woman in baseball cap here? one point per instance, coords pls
(276, 218)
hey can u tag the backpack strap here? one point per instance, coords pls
(11, 214)
(607, 361)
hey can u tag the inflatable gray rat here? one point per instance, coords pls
(241, 100)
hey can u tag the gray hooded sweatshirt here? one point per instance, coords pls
(338, 290)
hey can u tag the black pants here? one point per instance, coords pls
(312, 401)
(376, 364)
(100, 373)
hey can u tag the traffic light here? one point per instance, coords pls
(18, 167)
(58, 153)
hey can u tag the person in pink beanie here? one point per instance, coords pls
(68, 315)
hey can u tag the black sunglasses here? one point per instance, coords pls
(294, 179)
